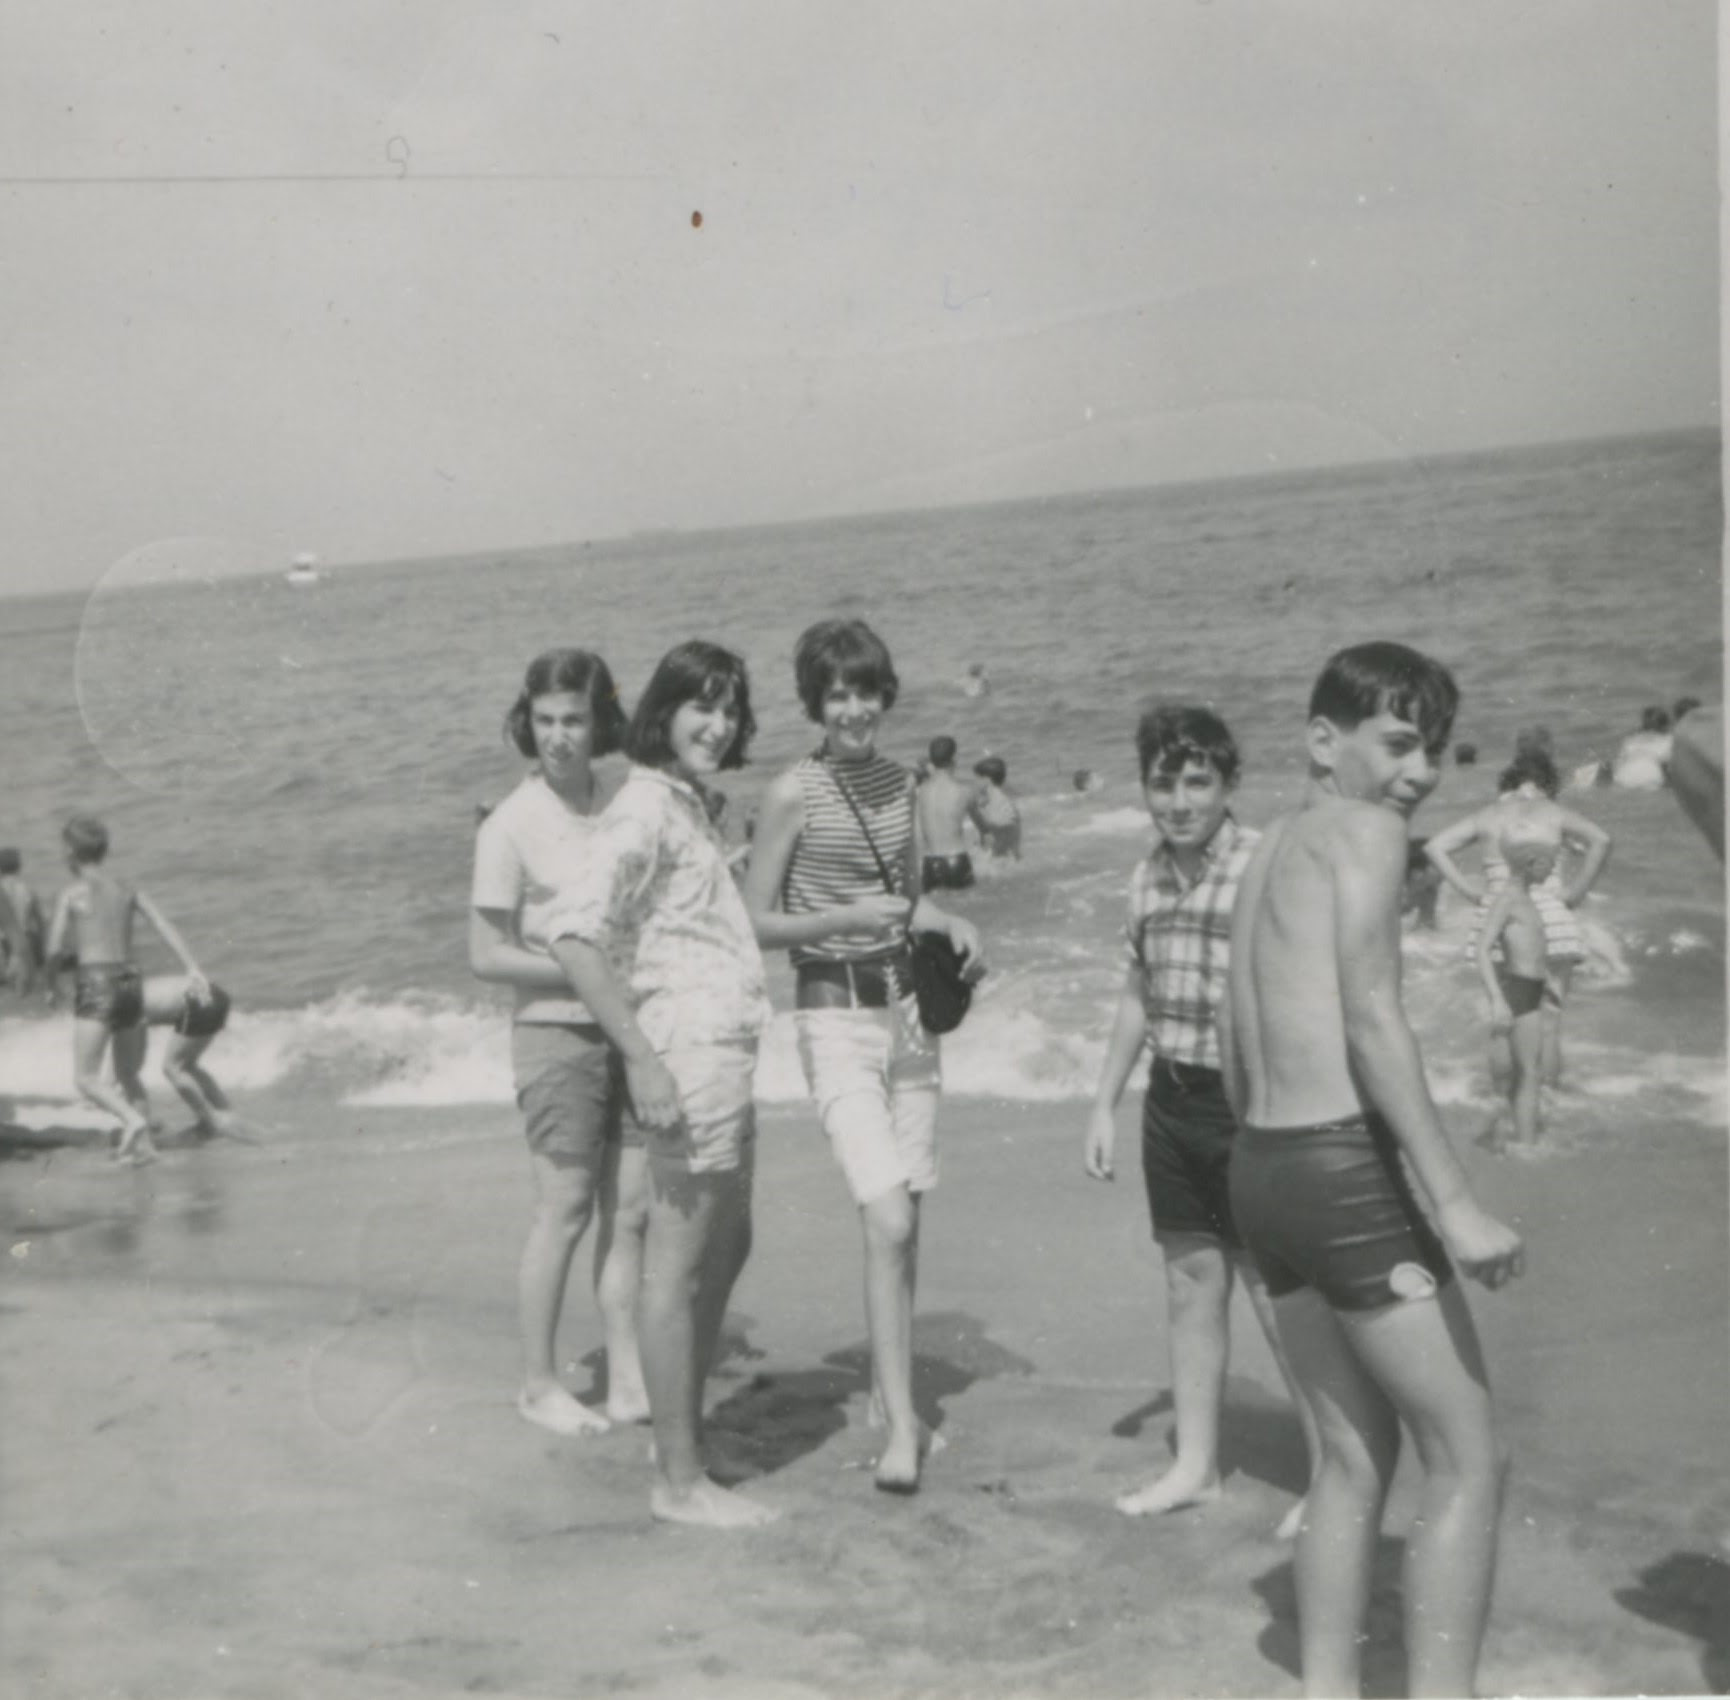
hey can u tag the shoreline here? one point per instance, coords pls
(259, 1437)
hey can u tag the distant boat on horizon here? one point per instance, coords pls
(304, 571)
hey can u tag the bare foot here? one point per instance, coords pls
(1170, 1492)
(553, 1408)
(1291, 1523)
(627, 1405)
(136, 1145)
(708, 1505)
(931, 1440)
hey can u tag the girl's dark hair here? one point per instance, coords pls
(692, 672)
(1172, 735)
(842, 652)
(1369, 679)
(86, 837)
(576, 670)
(1530, 764)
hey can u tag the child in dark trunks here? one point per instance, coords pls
(1514, 929)
(195, 1019)
(92, 931)
(1178, 940)
(1329, 1089)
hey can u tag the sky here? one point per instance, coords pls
(390, 278)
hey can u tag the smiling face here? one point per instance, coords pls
(851, 717)
(701, 735)
(1187, 805)
(562, 724)
(1383, 759)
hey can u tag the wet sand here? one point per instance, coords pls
(256, 1437)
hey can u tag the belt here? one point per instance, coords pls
(1192, 1077)
(845, 985)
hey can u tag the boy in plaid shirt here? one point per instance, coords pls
(1179, 950)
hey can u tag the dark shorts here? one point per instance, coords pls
(946, 873)
(1524, 992)
(204, 1020)
(571, 1090)
(110, 992)
(1187, 1131)
(1330, 1207)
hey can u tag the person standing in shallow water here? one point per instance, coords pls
(568, 1080)
(815, 889)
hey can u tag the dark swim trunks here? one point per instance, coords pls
(946, 873)
(204, 1020)
(1187, 1130)
(1524, 992)
(1330, 1207)
(109, 992)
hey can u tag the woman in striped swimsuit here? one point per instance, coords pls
(1526, 812)
(827, 829)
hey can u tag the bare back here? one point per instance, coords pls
(100, 910)
(943, 803)
(1287, 1008)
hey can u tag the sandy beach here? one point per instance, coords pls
(258, 1438)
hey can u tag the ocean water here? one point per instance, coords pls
(293, 772)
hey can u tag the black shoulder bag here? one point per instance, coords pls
(940, 985)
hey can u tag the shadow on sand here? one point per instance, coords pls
(1689, 1591)
(1384, 1652)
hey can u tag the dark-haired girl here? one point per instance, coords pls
(568, 1080)
(827, 828)
(655, 939)
(1526, 811)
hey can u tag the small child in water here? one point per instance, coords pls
(993, 811)
(1515, 984)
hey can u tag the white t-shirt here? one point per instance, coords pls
(530, 846)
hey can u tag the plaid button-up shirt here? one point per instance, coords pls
(1178, 938)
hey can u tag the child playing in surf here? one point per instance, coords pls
(1325, 1076)
(1514, 930)
(1178, 949)
(196, 1017)
(92, 927)
(993, 811)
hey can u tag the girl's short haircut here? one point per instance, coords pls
(692, 672)
(1530, 765)
(1172, 735)
(1369, 679)
(993, 768)
(842, 652)
(1655, 719)
(86, 837)
(577, 670)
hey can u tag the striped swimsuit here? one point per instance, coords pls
(832, 864)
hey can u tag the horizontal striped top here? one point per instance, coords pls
(831, 862)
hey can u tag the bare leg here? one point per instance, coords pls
(1526, 1042)
(202, 1095)
(1256, 1291)
(683, 1213)
(564, 1201)
(1556, 985)
(619, 1243)
(1198, 1299)
(1360, 1444)
(1425, 1356)
(891, 1227)
(89, 1043)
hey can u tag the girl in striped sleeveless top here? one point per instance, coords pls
(815, 889)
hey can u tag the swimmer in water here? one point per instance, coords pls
(942, 803)
(993, 811)
(1643, 755)
(977, 683)
(1513, 930)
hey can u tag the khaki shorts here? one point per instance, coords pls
(569, 1088)
(876, 1075)
(718, 1130)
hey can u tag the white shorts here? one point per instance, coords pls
(876, 1075)
(718, 1128)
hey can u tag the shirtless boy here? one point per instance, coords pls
(1515, 983)
(1328, 1085)
(993, 811)
(942, 804)
(93, 926)
(173, 1001)
(22, 960)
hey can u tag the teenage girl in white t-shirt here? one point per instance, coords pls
(568, 1078)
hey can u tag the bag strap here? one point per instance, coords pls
(876, 854)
